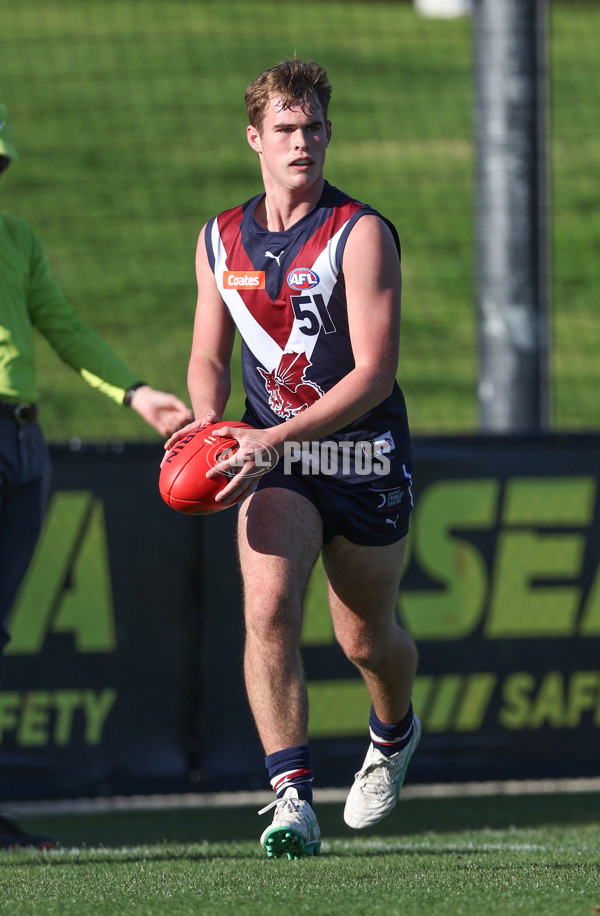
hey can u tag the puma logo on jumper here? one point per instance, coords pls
(274, 257)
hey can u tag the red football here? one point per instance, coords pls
(183, 483)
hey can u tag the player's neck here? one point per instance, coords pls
(278, 210)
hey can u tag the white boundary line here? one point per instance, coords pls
(200, 800)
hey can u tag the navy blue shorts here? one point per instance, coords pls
(370, 513)
(24, 488)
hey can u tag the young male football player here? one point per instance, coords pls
(311, 278)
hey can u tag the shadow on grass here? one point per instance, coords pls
(412, 816)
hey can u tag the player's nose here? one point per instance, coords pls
(302, 139)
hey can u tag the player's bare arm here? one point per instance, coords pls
(209, 376)
(373, 289)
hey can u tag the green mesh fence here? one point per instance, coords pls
(130, 124)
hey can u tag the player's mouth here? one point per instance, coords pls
(302, 163)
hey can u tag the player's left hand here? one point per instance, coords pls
(164, 411)
(254, 457)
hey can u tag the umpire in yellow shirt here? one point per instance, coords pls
(30, 297)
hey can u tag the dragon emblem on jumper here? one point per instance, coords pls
(290, 391)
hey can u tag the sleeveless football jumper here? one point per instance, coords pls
(285, 292)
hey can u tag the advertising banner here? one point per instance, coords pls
(501, 591)
(99, 676)
(124, 672)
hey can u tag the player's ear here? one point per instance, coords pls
(253, 138)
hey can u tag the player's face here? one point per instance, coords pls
(291, 145)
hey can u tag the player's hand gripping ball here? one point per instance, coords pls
(183, 483)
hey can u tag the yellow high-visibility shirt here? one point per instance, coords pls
(30, 297)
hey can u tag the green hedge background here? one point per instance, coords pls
(130, 123)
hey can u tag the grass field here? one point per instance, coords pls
(429, 858)
(130, 123)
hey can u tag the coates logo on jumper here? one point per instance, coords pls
(244, 279)
(302, 278)
(290, 392)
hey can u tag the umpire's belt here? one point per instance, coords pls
(22, 413)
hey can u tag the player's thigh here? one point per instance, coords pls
(363, 583)
(279, 540)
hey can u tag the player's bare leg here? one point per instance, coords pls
(279, 537)
(363, 591)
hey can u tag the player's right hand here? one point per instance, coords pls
(195, 424)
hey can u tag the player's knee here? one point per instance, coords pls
(370, 650)
(272, 619)
(361, 651)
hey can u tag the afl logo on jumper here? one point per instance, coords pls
(301, 278)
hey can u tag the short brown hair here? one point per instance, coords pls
(295, 82)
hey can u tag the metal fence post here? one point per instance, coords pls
(511, 79)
